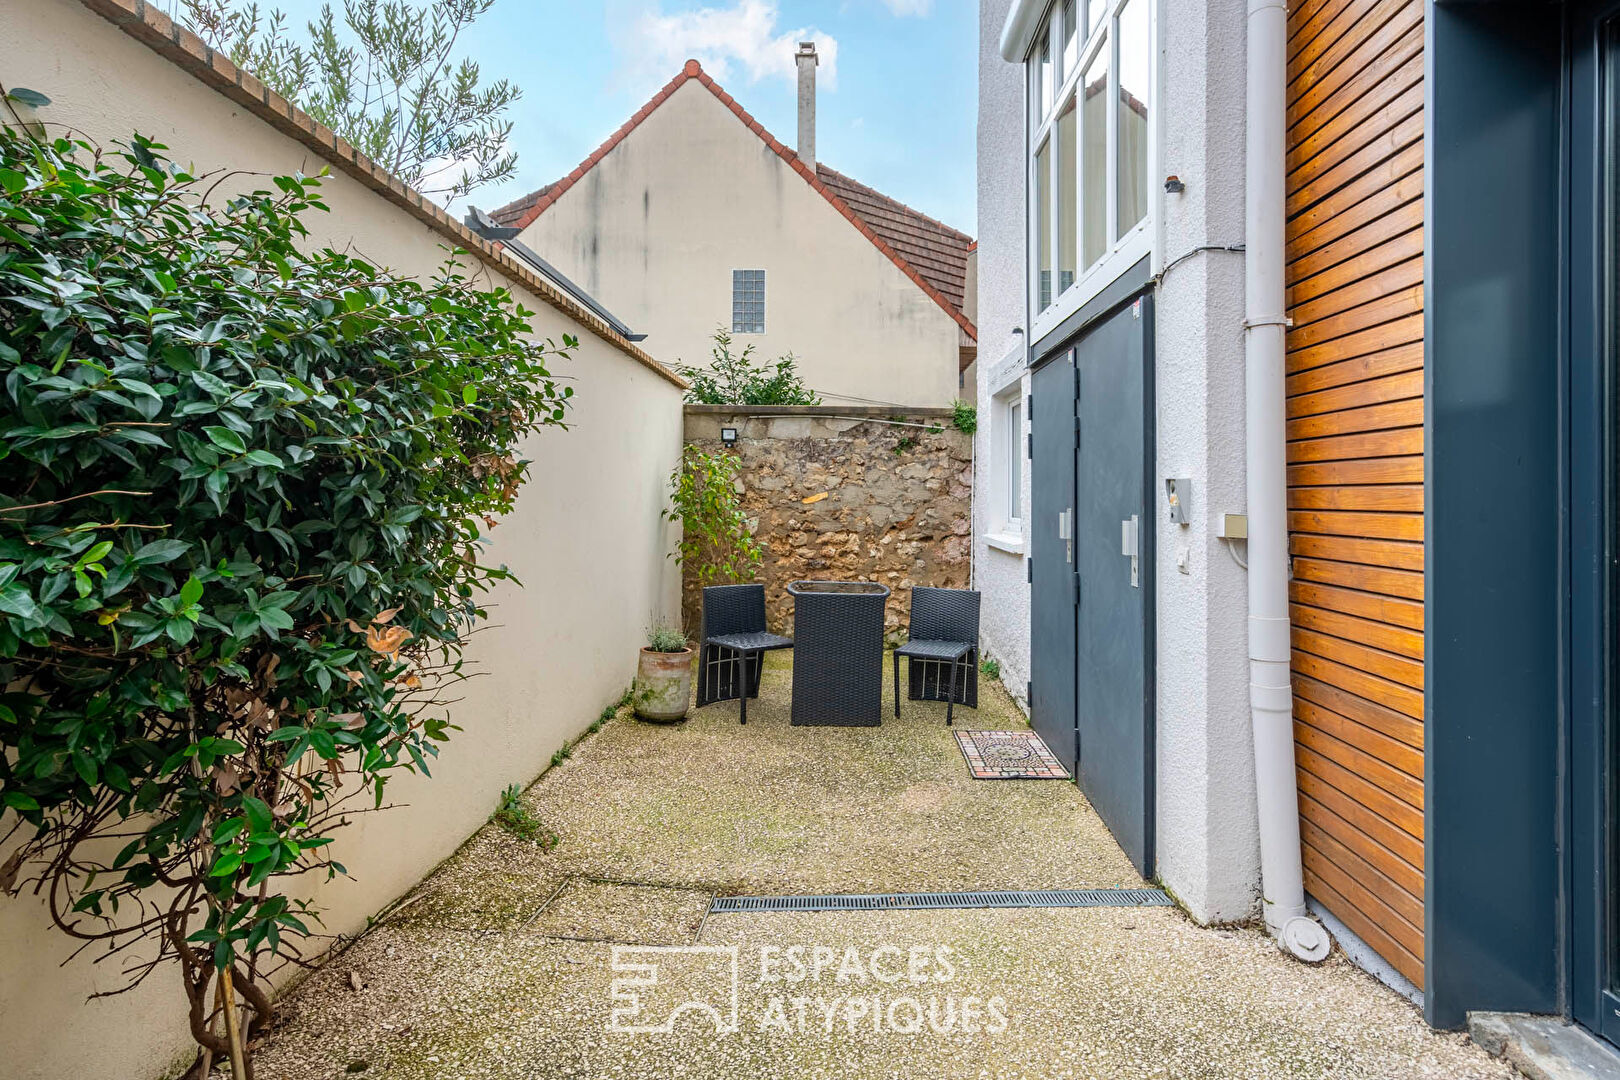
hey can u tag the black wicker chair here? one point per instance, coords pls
(944, 640)
(838, 652)
(735, 642)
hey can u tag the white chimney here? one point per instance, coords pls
(807, 60)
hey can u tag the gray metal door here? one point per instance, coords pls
(1052, 581)
(1114, 557)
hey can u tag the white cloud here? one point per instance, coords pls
(742, 40)
(902, 8)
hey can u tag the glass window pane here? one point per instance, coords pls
(1134, 98)
(1043, 225)
(1094, 159)
(1015, 461)
(1033, 92)
(1071, 40)
(1046, 77)
(1095, 10)
(1067, 195)
(748, 301)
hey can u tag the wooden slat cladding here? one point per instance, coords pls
(1355, 460)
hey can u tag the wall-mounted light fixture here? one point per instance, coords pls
(728, 436)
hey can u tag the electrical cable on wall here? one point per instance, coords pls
(1236, 249)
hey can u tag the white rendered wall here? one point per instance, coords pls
(1208, 839)
(656, 227)
(999, 574)
(1207, 842)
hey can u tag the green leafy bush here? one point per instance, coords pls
(715, 535)
(964, 417)
(735, 379)
(239, 543)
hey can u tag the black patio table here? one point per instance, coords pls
(838, 652)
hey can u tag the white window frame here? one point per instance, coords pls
(1008, 427)
(1012, 507)
(1126, 250)
(764, 294)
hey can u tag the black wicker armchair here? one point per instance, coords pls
(944, 640)
(735, 642)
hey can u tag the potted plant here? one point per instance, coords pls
(664, 677)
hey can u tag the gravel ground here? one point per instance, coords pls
(503, 963)
(770, 808)
(1117, 993)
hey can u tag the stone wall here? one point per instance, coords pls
(847, 494)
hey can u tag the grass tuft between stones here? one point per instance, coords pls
(517, 819)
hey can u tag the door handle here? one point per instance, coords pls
(1128, 545)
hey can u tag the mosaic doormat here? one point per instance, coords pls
(1009, 755)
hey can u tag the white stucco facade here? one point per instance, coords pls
(1206, 846)
(655, 227)
(1208, 842)
(999, 563)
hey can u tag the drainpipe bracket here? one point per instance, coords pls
(1274, 699)
(1270, 639)
(1267, 320)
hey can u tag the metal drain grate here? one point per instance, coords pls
(1043, 898)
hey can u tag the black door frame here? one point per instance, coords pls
(1589, 948)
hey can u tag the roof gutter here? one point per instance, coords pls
(481, 223)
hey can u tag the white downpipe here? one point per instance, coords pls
(1270, 695)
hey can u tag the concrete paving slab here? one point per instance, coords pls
(1544, 1047)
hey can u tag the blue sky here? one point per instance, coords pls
(896, 104)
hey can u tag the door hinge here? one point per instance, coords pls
(1029, 570)
(1029, 446)
(1029, 693)
(1077, 588)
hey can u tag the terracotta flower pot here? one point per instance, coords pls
(663, 685)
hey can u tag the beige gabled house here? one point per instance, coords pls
(692, 216)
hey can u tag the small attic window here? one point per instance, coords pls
(748, 301)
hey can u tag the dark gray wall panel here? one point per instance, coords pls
(1493, 510)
